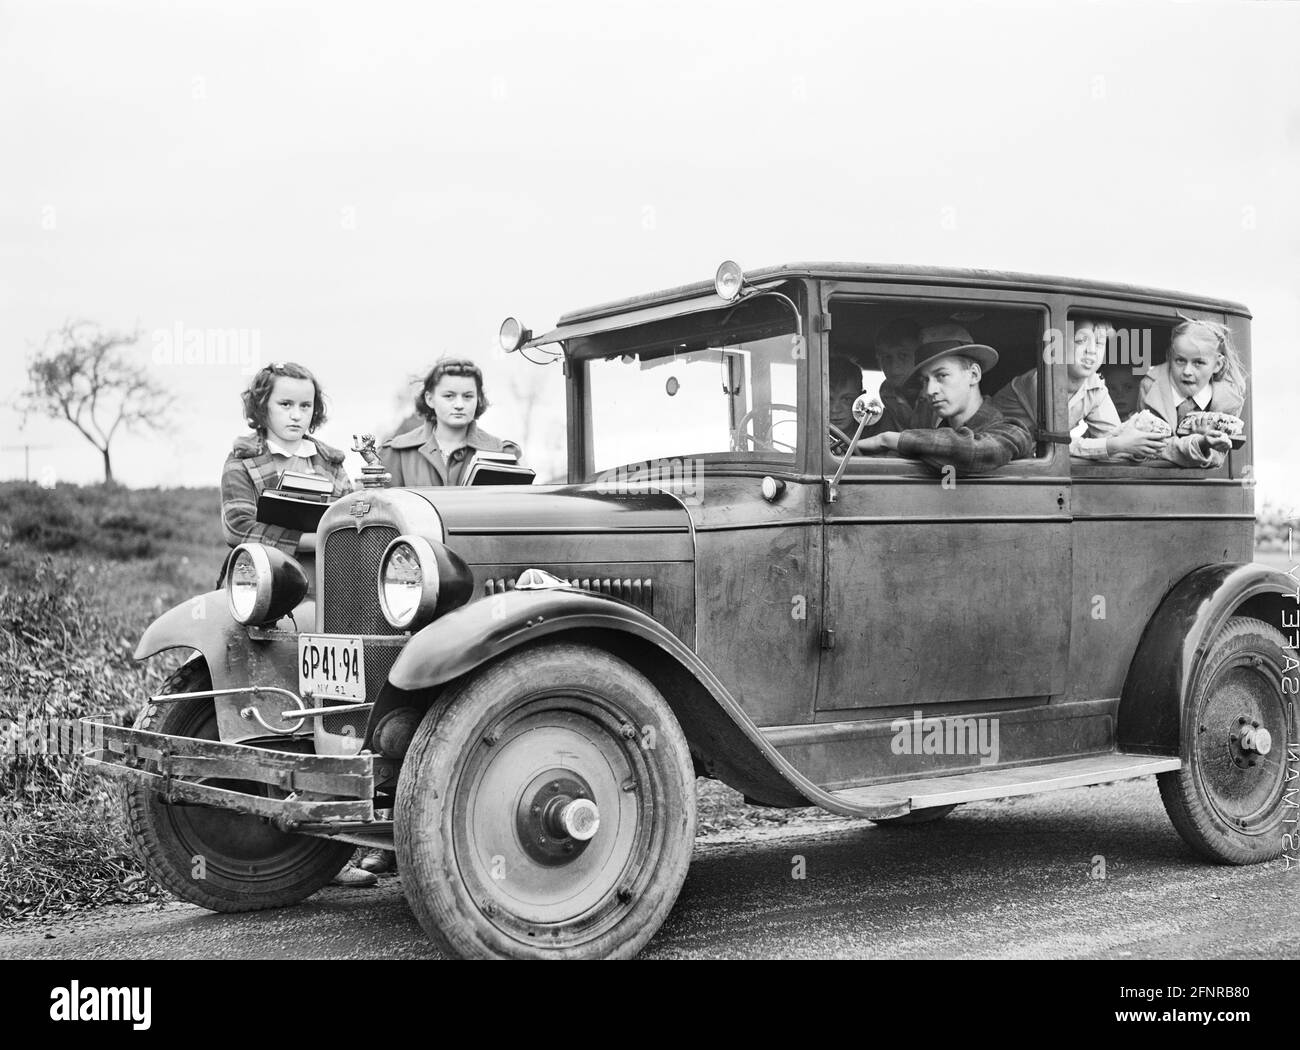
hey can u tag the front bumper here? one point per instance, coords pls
(317, 789)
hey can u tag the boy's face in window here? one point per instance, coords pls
(896, 362)
(1124, 388)
(950, 386)
(1089, 351)
(842, 396)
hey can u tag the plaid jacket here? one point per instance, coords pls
(251, 469)
(986, 442)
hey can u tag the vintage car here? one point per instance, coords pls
(531, 678)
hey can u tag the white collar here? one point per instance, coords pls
(1091, 383)
(306, 449)
(1203, 397)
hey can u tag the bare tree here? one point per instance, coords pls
(81, 374)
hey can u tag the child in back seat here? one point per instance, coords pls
(1095, 431)
(1202, 374)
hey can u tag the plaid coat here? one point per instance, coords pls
(251, 469)
(986, 442)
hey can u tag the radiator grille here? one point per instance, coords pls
(379, 661)
(638, 592)
(350, 604)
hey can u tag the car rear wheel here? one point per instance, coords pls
(216, 858)
(1228, 799)
(546, 809)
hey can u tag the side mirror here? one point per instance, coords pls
(867, 410)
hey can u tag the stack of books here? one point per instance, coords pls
(495, 468)
(298, 503)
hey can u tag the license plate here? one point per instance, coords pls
(331, 667)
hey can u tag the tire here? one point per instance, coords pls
(487, 866)
(247, 864)
(1227, 801)
(916, 816)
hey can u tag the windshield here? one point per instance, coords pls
(715, 385)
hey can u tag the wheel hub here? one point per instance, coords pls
(1238, 766)
(1250, 741)
(557, 817)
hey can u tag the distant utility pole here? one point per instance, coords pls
(27, 456)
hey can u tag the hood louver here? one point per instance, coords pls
(637, 592)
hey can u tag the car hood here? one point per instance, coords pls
(565, 509)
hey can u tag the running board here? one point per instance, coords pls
(906, 795)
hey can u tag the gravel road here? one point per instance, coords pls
(1009, 879)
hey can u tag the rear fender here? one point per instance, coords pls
(717, 728)
(1175, 642)
(234, 658)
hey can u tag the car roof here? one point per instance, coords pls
(947, 275)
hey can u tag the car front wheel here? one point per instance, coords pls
(546, 809)
(217, 858)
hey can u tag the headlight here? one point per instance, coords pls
(419, 581)
(263, 584)
(408, 580)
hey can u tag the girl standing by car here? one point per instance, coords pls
(283, 404)
(451, 400)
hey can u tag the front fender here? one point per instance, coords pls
(464, 639)
(473, 634)
(1175, 641)
(202, 623)
(234, 658)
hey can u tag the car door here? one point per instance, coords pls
(941, 590)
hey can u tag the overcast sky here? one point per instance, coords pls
(363, 187)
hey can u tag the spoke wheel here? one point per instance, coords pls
(546, 808)
(217, 858)
(1228, 799)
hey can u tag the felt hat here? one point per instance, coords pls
(945, 340)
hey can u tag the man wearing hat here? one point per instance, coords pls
(972, 434)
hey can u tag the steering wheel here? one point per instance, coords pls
(838, 435)
(741, 435)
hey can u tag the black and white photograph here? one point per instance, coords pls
(679, 481)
